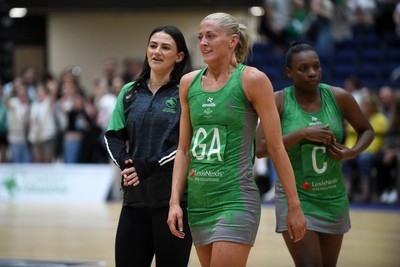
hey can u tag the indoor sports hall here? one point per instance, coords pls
(58, 214)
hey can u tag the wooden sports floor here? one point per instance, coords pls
(74, 233)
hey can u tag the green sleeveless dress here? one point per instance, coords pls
(319, 179)
(223, 199)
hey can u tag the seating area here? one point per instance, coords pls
(367, 55)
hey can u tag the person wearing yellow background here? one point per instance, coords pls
(364, 162)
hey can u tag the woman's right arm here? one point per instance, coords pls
(261, 146)
(182, 160)
(116, 136)
(262, 97)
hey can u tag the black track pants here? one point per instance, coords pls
(143, 232)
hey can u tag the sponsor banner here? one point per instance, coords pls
(55, 182)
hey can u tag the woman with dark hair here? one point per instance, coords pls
(311, 116)
(142, 139)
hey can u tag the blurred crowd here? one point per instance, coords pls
(45, 119)
(325, 23)
(373, 175)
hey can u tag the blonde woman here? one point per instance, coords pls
(221, 104)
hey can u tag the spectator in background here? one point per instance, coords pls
(299, 22)
(42, 126)
(358, 171)
(110, 70)
(387, 162)
(18, 106)
(50, 83)
(29, 78)
(73, 118)
(354, 86)
(92, 149)
(104, 101)
(116, 85)
(69, 88)
(385, 94)
(361, 12)
(320, 30)
(131, 69)
(341, 22)
(274, 23)
(71, 74)
(3, 128)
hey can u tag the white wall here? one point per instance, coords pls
(86, 39)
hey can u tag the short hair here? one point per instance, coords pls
(295, 48)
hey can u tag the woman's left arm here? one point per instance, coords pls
(352, 113)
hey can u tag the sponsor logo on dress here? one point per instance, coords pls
(314, 121)
(206, 175)
(320, 185)
(208, 107)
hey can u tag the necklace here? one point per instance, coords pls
(156, 84)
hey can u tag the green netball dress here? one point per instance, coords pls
(223, 199)
(319, 178)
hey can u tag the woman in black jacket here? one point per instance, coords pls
(142, 138)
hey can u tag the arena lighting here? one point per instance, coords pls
(256, 11)
(17, 12)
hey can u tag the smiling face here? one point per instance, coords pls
(162, 52)
(305, 70)
(215, 44)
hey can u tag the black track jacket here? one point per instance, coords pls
(145, 128)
